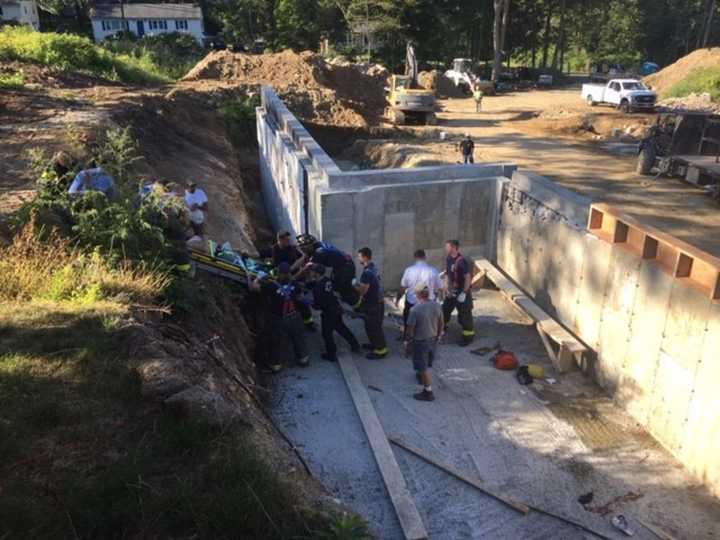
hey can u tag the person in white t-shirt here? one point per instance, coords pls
(419, 275)
(197, 203)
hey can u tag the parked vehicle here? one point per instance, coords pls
(684, 144)
(626, 94)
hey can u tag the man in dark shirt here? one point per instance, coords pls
(284, 297)
(283, 251)
(467, 147)
(341, 264)
(457, 278)
(372, 305)
(324, 300)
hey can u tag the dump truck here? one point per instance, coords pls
(407, 102)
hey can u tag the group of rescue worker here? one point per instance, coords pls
(316, 275)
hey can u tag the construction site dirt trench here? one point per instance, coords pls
(528, 443)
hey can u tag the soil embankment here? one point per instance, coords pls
(315, 90)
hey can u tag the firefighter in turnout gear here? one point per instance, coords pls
(284, 297)
(341, 264)
(459, 297)
(284, 251)
(331, 317)
(372, 305)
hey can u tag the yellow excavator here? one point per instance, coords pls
(408, 103)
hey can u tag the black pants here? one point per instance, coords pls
(305, 313)
(464, 312)
(374, 315)
(332, 322)
(342, 283)
(468, 158)
(406, 314)
(291, 328)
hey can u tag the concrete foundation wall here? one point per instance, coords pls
(655, 340)
(393, 211)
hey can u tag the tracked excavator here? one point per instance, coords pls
(408, 103)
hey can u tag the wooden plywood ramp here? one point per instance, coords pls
(407, 513)
(570, 350)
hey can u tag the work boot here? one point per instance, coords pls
(425, 395)
(329, 358)
(375, 356)
(272, 368)
(465, 341)
(367, 346)
(304, 362)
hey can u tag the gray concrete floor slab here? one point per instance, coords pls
(545, 444)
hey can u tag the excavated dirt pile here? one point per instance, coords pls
(666, 78)
(338, 93)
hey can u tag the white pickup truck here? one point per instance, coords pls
(627, 94)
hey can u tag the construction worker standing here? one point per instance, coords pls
(457, 282)
(284, 297)
(478, 97)
(467, 148)
(372, 305)
(324, 299)
(342, 265)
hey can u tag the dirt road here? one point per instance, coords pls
(554, 133)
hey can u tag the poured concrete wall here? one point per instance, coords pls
(393, 211)
(655, 341)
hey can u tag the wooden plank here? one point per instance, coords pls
(407, 513)
(546, 342)
(570, 346)
(515, 505)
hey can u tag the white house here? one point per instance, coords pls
(22, 11)
(146, 19)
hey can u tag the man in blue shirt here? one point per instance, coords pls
(372, 305)
(459, 296)
(95, 179)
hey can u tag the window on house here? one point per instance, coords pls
(181, 24)
(162, 25)
(105, 25)
(152, 25)
(115, 25)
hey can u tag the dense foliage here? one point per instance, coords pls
(151, 60)
(540, 33)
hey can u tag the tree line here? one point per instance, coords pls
(544, 34)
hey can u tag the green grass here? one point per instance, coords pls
(68, 52)
(82, 455)
(12, 80)
(699, 81)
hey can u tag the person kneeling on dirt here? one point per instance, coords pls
(331, 319)
(424, 331)
(93, 179)
(467, 148)
(283, 297)
(197, 203)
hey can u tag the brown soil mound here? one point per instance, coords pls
(666, 78)
(315, 90)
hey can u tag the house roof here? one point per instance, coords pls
(147, 11)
